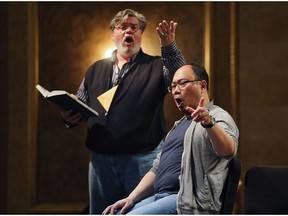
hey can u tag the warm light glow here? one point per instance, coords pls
(108, 52)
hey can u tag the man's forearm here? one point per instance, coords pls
(144, 189)
(172, 57)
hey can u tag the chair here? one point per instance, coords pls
(230, 189)
(266, 190)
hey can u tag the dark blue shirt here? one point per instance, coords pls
(167, 175)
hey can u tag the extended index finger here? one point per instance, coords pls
(201, 102)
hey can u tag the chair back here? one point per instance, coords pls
(230, 189)
(266, 190)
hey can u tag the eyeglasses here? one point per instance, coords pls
(180, 85)
(122, 28)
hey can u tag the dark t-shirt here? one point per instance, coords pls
(167, 175)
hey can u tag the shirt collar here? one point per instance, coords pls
(210, 104)
(114, 56)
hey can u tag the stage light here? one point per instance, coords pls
(108, 52)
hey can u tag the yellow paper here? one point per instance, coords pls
(106, 98)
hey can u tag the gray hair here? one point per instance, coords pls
(122, 15)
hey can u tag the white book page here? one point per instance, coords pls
(42, 90)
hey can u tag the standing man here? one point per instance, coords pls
(125, 140)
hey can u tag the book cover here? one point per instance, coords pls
(67, 101)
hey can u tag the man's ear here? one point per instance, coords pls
(203, 84)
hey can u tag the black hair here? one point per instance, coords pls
(200, 72)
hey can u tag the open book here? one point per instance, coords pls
(67, 101)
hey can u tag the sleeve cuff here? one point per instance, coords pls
(169, 48)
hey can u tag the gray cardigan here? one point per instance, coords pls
(203, 172)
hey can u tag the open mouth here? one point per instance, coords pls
(178, 101)
(129, 40)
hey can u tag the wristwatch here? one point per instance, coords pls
(210, 124)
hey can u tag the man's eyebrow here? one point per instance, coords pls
(180, 80)
(128, 23)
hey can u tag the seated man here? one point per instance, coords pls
(188, 175)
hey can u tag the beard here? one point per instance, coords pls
(128, 50)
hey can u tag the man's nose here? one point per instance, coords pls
(176, 90)
(129, 29)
